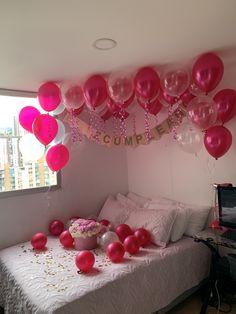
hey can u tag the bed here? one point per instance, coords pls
(48, 282)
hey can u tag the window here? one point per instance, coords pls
(17, 173)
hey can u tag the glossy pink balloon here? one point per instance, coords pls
(49, 96)
(202, 112)
(27, 116)
(207, 71)
(112, 106)
(57, 157)
(66, 239)
(56, 227)
(146, 83)
(76, 112)
(217, 141)
(226, 104)
(167, 99)
(186, 97)
(128, 102)
(122, 115)
(153, 107)
(107, 115)
(45, 128)
(95, 90)
(131, 244)
(115, 252)
(85, 260)
(73, 97)
(39, 241)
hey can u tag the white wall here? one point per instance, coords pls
(93, 172)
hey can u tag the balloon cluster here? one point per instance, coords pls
(115, 244)
(115, 96)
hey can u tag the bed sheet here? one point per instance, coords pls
(48, 282)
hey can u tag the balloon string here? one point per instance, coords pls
(134, 125)
(147, 124)
(123, 130)
(48, 197)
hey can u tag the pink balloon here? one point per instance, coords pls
(147, 83)
(207, 71)
(115, 252)
(66, 239)
(49, 96)
(76, 112)
(175, 81)
(153, 107)
(143, 236)
(57, 157)
(131, 244)
(217, 141)
(202, 112)
(106, 116)
(56, 227)
(27, 116)
(39, 241)
(95, 90)
(129, 102)
(120, 87)
(186, 97)
(123, 231)
(167, 99)
(45, 128)
(73, 97)
(104, 222)
(226, 104)
(85, 260)
(121, 115)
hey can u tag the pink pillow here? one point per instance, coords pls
(114, 211)
(158, 222)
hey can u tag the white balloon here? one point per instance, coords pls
(107, 238)
(30, 148)
(59, 109)
(189, 138)
(60, 133)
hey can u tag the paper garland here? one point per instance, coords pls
(133, 140)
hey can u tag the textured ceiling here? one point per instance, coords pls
(52, 40)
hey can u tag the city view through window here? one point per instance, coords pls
(17, 173)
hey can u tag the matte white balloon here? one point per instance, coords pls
(61, 133)
(30, 148)
(59, 109)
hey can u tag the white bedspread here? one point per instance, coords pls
(48, 282)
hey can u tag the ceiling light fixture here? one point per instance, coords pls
(104, 43)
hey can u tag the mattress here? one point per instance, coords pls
(49, 282)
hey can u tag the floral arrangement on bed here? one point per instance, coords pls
(83, 228)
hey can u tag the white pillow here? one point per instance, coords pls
(181, 221)
(180, 224)
(138, 199)
(197, 220)
(158, 222)
(114, 211)
(125, 201)
(161, 201)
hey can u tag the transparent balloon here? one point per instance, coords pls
(120, 86)
(60, 133)
(73, 96)
(30, 148)
(107, 238)
(175, 81)
(189, 138)
(202, 112)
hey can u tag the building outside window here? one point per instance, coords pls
(16, 172)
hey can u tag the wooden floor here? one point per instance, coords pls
(192, 305)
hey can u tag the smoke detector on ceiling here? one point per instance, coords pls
(104, 44)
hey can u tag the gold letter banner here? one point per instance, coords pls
(133, 140)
